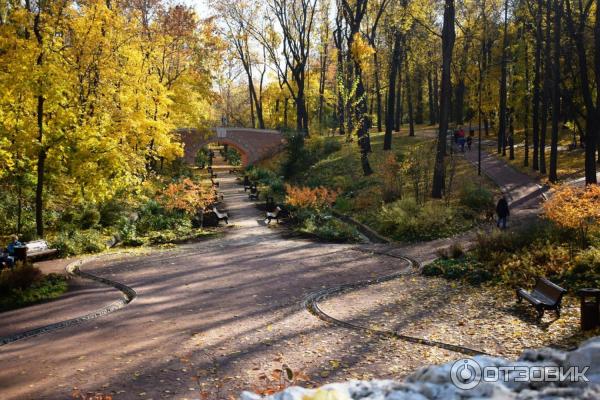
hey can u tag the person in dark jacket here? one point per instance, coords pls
(503, 212)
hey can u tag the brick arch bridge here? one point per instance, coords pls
(253, 144)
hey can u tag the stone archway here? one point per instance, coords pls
(253, 144)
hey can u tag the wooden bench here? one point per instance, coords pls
(544, 296)
(273, 215)
(221, 216)
(35, 249)
(247, 184)
(254, 193)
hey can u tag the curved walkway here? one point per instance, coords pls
(213, 317)
(233, 302)
(73, 269)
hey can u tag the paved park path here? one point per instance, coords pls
(211, 316)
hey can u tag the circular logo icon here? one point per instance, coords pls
(465, 373)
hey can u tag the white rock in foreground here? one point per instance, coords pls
(434, 382)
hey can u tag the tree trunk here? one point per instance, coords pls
(361, 108)
(503, 91)
(460, 87)
(409, 101)
(448, 38)
(19, 207)
(399, 101)
(251, 94)
(511, 136)
(42, 153)
(340, 73)
(285, 113)
(537, 72)
(378, 93)
(547, 86)
(432, 117)
(323, 73)
(526, 100)
(553, 177)
(391, 97)
(420, 112)
(590, 170)
(436, 94)
(301, 113)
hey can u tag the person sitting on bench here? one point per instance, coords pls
(9, 256)
(11, 246)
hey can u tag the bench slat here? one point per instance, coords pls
(545, 296)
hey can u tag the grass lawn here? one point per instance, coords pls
(570, 162)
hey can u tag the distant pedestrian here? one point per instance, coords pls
(503, 213)
(469, 142)
(461, 139)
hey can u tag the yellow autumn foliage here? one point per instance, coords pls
(362, 52)
(574, 208)
(305, 197)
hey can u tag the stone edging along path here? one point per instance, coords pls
(74, 269)
(311, 301)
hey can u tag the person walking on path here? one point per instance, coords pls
(461, 139)
(469, 141)
(503, 213)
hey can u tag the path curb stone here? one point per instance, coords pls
(74, 269)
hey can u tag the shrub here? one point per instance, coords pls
(261, 175)
(540, 259)
(154, 217)
(343, 204)
(318, 198)
(202, 157)
(575, 208)
(454, 251)
(588, 260)
(433, 269)
(331, 145)
(477, 198)
(89, 218)
(20, 277)
(408, 221)
(319, 147)
(233, 157)
(79, 242)
(41, 288)
(302, 153)
(329, 229)
(585, 271)
(187, 196)
(298, 158)
(367, 200)
(161, 237)
(392, 179)
(492, 246)
(464, 268)
(111, 212)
